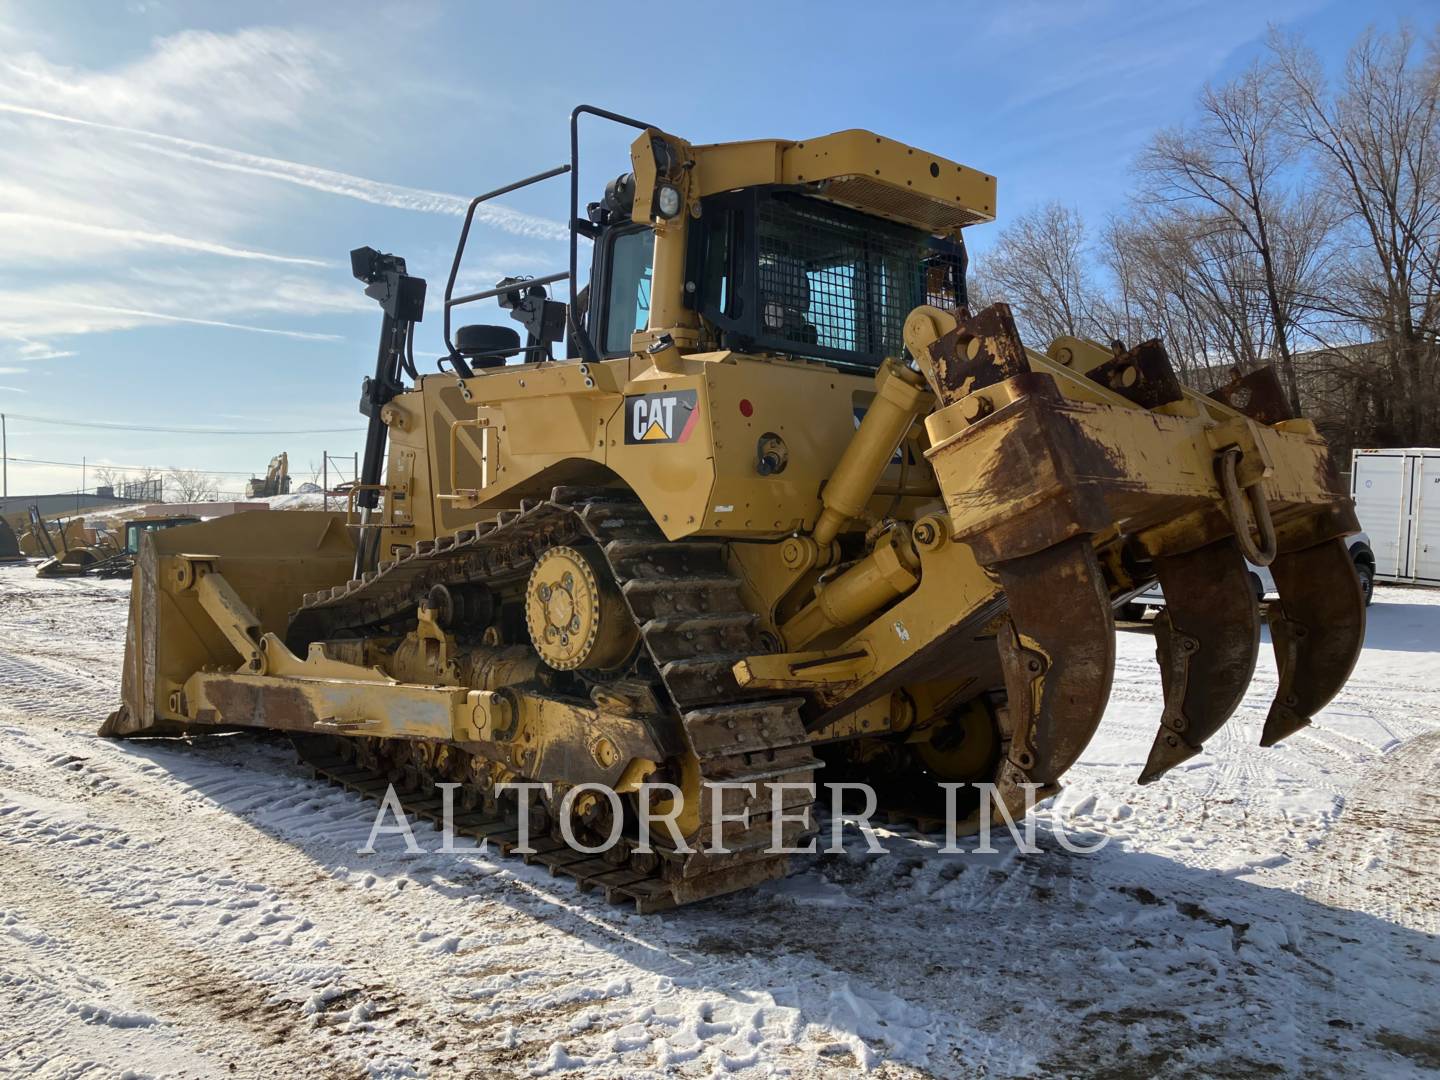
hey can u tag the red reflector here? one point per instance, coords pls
(746, 409)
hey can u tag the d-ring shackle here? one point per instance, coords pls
(1264, 554)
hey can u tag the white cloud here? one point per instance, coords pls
(38, 350)
(105, 317)
(251, 78)
(209, 295)
(373, 191)
(125, 218)
(19, 222)
(329, 181)
(28, 350)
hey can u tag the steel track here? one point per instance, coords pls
(694, 627)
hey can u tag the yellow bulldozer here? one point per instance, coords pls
(785, 503)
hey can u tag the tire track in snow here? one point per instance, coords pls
(429, 939)
(1382, 853)
(219, 1011)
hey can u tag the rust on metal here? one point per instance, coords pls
(1044, 463)
(1207, 638)
(1057, 651)
(982, 350)
(1143, 375)
(1257, 395)
(275, 706)
(1261, 552)
(1318, 628)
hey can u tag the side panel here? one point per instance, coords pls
(443, 405)
(813, 411)
(1380, 484)
(688, 443)
(1425, 518)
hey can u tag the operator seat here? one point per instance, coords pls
(486, 346)
(785, 298)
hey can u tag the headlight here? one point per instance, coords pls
(667, 200)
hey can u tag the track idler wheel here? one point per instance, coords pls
(1057, 651)
(1318, 628)
(1206, 640)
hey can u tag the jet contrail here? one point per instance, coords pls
(303, 335)
(159, 239)
(318, 179)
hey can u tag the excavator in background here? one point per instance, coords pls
(275, 482)
(786, 503)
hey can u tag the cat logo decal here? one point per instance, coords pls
(667, 417)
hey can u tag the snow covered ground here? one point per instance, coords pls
(199, 909)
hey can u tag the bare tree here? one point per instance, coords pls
(149, 475)
(189, 485)
(1228, 171)
(1376, 139)
(124, 479)
(1038, 266)
(1293, 222)
(109, 476)
(1151, 259)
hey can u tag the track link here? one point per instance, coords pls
(618, 881)
(694, 627)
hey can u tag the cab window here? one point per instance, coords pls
(628, 300)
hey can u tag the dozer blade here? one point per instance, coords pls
(1057, 651)
(1206, 640)
(271, 560)
(1318, 628)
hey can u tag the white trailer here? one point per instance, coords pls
(1397, 497)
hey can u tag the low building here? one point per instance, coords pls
(69, 504)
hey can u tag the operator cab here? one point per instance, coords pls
(774, 269)
(818, 249)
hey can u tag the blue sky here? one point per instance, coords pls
(182, 182)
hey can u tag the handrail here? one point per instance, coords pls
(577, 332)
(559, 170)
(514, 286)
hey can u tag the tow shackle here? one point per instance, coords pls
(1263, 552)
